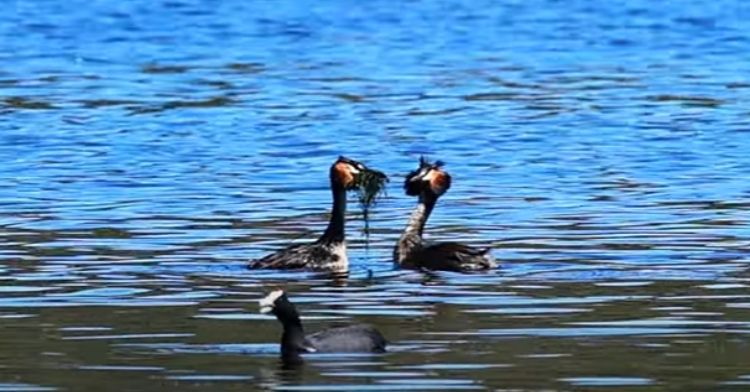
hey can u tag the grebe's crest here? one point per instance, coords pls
(268, 302)
(430, 174)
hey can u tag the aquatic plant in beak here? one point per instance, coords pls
(371, 185)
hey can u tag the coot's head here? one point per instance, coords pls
(278, 304)
(428, 177)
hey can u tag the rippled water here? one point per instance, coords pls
(150, 148)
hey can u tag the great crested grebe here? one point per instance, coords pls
(429, 182)
(328, 253)
(361, 338)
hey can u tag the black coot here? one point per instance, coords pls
(358, 338)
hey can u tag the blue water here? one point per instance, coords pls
(151, 148)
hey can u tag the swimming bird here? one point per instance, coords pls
(428, 183)
(357, 338)
(328, 253)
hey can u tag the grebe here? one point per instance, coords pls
(429, 182)
(360, 338)
(328, 253)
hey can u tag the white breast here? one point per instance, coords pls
(338, 251)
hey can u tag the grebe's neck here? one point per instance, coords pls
(419, 216)
(411, 238)
(335, 231)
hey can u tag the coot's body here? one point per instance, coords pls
(358, 338)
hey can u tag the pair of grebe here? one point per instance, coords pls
(428, 182)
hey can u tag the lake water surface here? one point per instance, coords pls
(151, 148)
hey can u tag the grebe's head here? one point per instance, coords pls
(429, 177)
(351, 174)
(346, 172)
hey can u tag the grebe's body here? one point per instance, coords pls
(357, 338)
(318, 256)
(328, 253)
(429, 182)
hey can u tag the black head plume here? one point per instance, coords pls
(417, 180)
